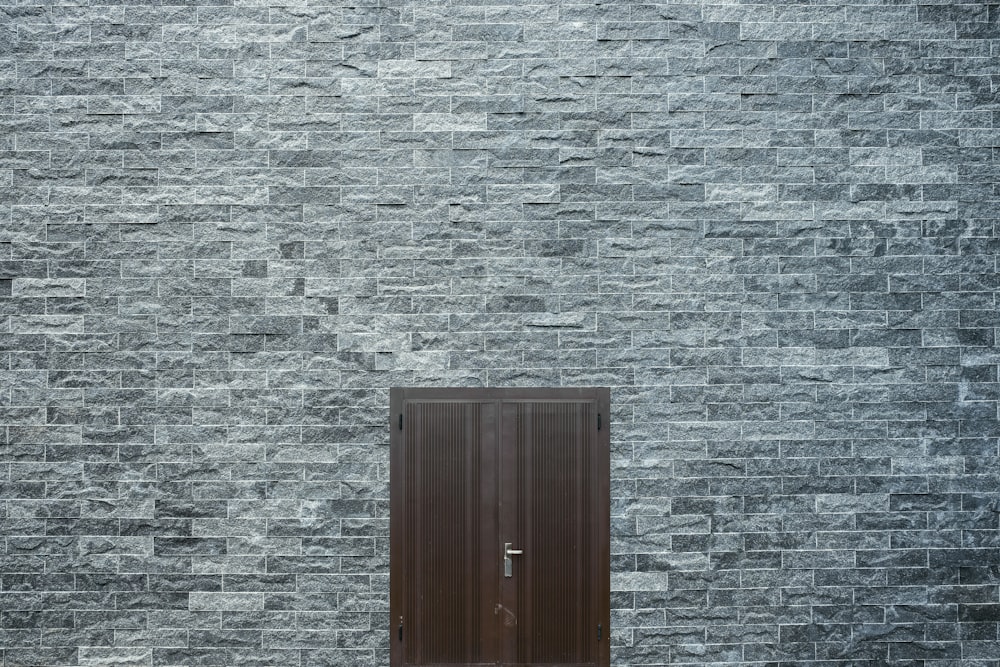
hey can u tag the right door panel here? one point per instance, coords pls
(552, 508)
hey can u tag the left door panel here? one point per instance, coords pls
(445, 533)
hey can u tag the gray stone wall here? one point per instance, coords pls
(226, 230)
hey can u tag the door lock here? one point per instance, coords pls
(508, 565)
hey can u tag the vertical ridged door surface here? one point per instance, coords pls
(472, 470)
(551, 451)
(449, 516)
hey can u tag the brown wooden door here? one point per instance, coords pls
(472, 470)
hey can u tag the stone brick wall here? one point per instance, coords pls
(771, 228)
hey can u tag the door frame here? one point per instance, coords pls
(398, 396)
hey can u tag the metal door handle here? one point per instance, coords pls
(508, 565)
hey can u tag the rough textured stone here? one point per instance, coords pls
(227, 228)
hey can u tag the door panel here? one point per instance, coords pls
(450, 511)
(549, 444)
(472, 469)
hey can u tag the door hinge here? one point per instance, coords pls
(598, 421)
(401, 628)
(400, 421)
(599, 630)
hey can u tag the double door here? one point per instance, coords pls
(499, 527)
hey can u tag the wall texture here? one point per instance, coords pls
(226, 230)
